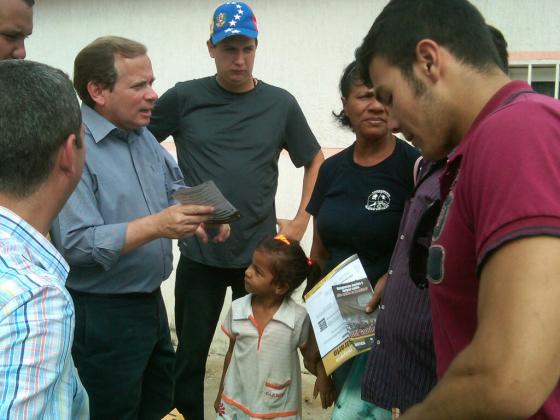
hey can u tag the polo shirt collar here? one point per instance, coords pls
(100, 127)
(41, 251)
(450, 174)
(494, 103)
(285, 313)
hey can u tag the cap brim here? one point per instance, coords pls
(239, 32)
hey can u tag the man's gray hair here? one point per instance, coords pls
(38, 111)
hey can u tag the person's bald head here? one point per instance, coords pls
(16, 24)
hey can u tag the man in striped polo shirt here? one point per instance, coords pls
(42, 160)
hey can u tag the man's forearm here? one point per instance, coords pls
(510, 367)
(309, 177)
(139, 232)
(296, 227)
(468, 391)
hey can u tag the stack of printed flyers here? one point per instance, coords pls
(208, 194)
(336, 307)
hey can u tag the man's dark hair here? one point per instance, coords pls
(501, 45)
(96, 63)
(30, 3)
(454, 24)
(38, 111)
(350, 75)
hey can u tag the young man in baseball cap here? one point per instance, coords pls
(229, 127)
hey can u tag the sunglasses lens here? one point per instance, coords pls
(417, 267)
(421, 244)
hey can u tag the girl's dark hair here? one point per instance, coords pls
(350, 75)
(290, 264)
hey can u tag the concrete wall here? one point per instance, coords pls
(303, 47)
(527, 25)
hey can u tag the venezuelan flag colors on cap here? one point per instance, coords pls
(233, 18)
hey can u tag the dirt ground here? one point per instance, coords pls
(311, 408)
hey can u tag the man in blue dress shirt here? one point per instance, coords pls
(116, 231)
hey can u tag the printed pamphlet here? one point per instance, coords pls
(208, 194)
(336, 307)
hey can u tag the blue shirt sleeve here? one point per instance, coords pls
(173, 176)
(82, 235)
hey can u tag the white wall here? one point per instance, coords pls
(528, 25)
(303, 45)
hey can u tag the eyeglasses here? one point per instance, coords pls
(420, 246)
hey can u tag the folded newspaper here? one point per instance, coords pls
(336, 308)
(207, 194)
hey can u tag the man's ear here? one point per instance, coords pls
(428, 59)
(67, 159)
(211, 49)
(97, 92)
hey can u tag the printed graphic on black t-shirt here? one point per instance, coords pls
(358, 209)
(378, 200)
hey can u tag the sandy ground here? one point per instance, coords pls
(311, 408)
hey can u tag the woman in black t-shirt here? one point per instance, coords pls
(357, 204)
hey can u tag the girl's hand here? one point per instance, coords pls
(218, 406)
(324, 387)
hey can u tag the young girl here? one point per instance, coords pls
(262, 377)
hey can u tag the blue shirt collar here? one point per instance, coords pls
(100, 127)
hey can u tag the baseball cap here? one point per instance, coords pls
(233, 18)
